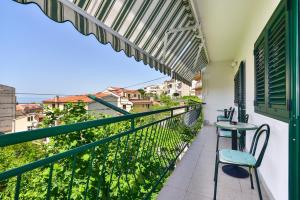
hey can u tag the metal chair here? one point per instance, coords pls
(223, 118)
(226, 113)
(230, 115)
(238, 158)
(223, 133)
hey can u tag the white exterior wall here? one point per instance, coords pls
(22, 123)
(119, 102)
(274, 168)
(217, 90)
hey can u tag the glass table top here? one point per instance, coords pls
(238, 126)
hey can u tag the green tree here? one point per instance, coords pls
(190, 100)
(167, 101)
(142, 91)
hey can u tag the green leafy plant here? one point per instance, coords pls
(125, 168)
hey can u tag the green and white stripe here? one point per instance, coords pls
(138, 28)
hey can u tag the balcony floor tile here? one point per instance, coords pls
(192, 178)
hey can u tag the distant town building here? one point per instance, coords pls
(154, 89)
(91, 105)
(126, 93)
(123, 98)
(134, 96)
(174, 88)
(141, 105)
(7, 108)
(28, 117)
(197, 85)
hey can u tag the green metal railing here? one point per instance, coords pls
(130, 163)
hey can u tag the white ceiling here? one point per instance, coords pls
(224, 24)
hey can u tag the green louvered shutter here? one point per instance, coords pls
(260, 79)
(271, 67)
(277, 64)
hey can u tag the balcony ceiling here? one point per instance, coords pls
(224, 24)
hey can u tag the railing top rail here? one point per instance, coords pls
(26, 136)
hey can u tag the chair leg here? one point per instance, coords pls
(216, 180)
(251, 178)
(216, 161)
(258, 186)
(217, 146)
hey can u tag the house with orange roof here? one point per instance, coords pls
(126, 99)
(114, 97)
(140, 104)
(129, 94)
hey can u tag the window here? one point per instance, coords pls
(124, 107)
(134, 95)
(236, 87)
(29, 128)
(128, 95)
(30, 118)
(240, 91)
(53, 105)
(271, 67)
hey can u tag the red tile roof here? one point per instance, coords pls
(75, 98)
(25, 107)
(119, 91)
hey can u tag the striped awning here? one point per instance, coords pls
(164, 34)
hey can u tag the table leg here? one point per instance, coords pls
(234, 140)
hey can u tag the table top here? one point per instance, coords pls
(239, 126)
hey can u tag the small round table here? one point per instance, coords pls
(234, 170)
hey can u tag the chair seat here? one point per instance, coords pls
(227, 133)
(222, 118)
(236, 157)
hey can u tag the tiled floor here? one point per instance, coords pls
(193, 177)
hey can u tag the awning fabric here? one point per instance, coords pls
(141, 28)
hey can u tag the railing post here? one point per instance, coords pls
(132, 126)
(187, 108)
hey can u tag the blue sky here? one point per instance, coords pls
(42, 56)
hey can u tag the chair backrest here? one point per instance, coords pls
(246, 118)
(227, 112)
(231, 114)
(262, 130)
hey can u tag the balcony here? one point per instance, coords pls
(192, 178)
(124, 157)
(260, 38)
